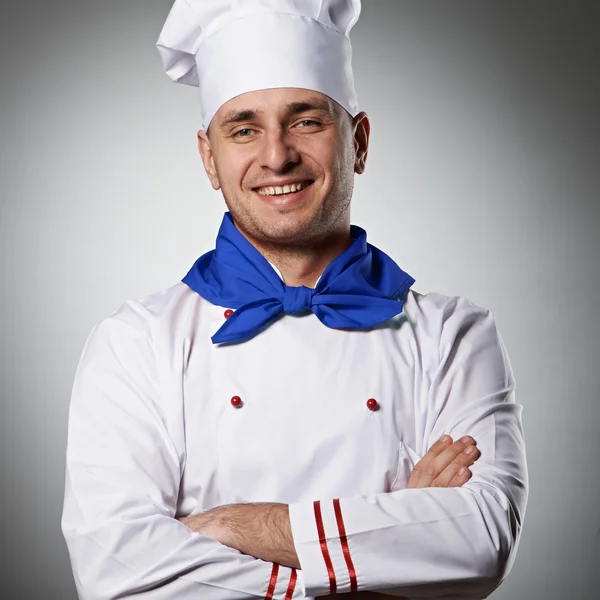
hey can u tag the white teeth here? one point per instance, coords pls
(286, 189)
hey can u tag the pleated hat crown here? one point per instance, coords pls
(230, 47)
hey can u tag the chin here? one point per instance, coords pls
(290, 228)
(276, 223)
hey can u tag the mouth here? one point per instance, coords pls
(286, 194)
(275, 190)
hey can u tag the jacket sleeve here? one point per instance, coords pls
(122, 483)
(434, 542)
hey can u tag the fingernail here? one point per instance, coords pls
(465, 440)
(444, 438)
(462, 470)
(470, 450)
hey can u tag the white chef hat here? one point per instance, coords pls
(229, 47)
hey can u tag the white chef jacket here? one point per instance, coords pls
(154, 435)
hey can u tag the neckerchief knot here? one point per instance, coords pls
(297, 298)
(359, 289)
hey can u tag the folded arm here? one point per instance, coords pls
(122, 483)
(263, 530)
(430, 542)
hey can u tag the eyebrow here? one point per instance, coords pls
(292, 108)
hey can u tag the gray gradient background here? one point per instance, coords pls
(482, 181)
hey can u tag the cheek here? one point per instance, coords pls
(335, 167)
(333, 158)
(231, 168)
(345, 161)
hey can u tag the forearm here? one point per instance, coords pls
(122, 485)
(164, 561)
(417, 543)
(261, 530)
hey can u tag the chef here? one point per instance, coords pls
(290, 419)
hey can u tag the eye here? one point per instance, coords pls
(307, 122)
(243, 132)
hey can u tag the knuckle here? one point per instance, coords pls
(458, 447)
(435, 449)
(433, 452)
(456, 456)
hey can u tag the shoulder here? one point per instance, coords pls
(451, 322)
(138, 323)
(462, 340)
(149, 312)
(440, 310)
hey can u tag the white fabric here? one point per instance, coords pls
(153, 436)
(230, 47)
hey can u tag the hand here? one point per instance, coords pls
(441, 466)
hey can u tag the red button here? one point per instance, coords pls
(372, 404)
(236, 401)
(228, 313)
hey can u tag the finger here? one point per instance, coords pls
(431, 470)
(465, 459)
(445, 458)
(461, 477)
(423, 465)
(438, 447)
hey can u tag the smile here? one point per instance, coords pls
(280, 190)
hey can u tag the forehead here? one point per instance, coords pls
(275, 102)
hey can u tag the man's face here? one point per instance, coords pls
(268, 139)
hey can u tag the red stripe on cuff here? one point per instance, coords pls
(345, 548)
(290, 591)
(272, 582)
(324, 549)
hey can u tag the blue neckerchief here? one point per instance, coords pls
(360, 288)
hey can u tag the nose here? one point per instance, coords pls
(277, 152)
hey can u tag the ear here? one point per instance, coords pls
(361, 129)
(206, 153)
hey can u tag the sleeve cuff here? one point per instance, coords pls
(284, 584)
(323, 551)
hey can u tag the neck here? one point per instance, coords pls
(303, 264)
